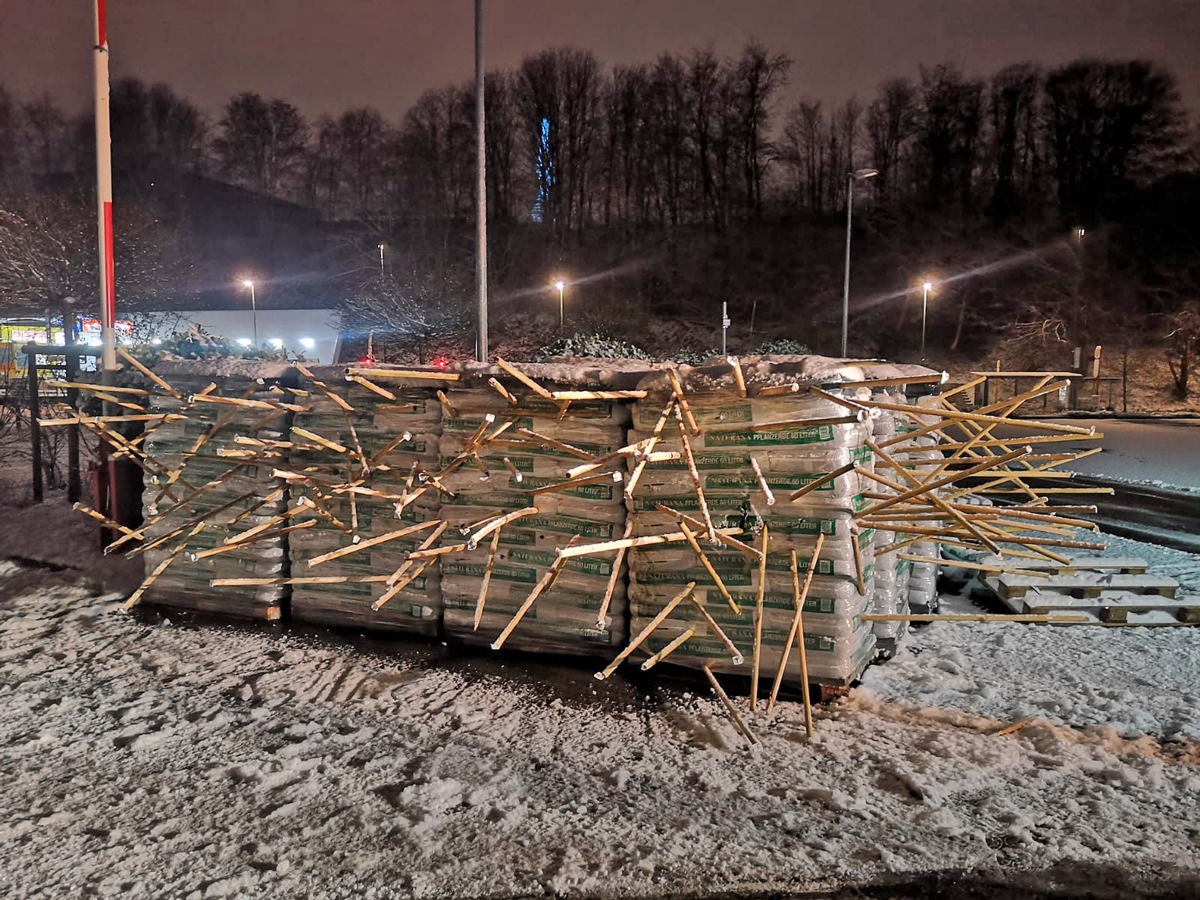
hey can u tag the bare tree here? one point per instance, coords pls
(262, 143)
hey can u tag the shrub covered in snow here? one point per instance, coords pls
(592, 345)
(782, 347)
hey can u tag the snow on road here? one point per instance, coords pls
(162, 760)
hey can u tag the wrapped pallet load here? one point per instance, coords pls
(360, 457)
(753, 449)
(201, 476)
(924, 459)
(526, 450)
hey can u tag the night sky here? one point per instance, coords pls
(328, 55)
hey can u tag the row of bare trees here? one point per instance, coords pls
(688, 139)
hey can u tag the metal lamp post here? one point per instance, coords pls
(851, 177)
(924, 312)
(253, 308)
(560, 284)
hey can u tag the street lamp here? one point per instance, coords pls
(560, 284)
(254, 308)
(381, 272)
(924, 309)
(851, 177)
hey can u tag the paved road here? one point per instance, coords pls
(1164, 452)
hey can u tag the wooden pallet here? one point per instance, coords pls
(1121, 565)
(1083, 585)
(1115, 608)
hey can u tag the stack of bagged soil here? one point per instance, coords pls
(793, 439)
(206, 473)
(517, 450)
(358, 459)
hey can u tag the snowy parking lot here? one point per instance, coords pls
(151, 758)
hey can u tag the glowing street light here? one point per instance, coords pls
(253, 307)
(926, 288)
(560, 284)
(856, 175)
(381, 246)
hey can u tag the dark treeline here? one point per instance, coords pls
(689, 166)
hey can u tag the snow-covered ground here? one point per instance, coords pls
(173, 760)
(1162, 453)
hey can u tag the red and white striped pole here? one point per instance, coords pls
(108, 300)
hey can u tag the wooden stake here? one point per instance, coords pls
(571, 396)
(821, 482)
(540, 588)
(729, 708)
(779, 389)
(367, 544)
(318, 439)
(109, 523)
(524, 379)
(734, 653)
(738, 378)
(598, 478)
(487, 579)
(798, 599)
(132, 360)
(403, 582)
(684, 409)
(690, 459)
(373, 387)
(861, 416)
(926, 487)
(447, 405)
(939, 378)
(758, 618)
(668, 650)
(647, 631)
(708, 567)
(497, 523)
(502, 391)
(655, 437)
(724, 535)
(614, 577)
(161, 567)
(410, 374)
(556, 444)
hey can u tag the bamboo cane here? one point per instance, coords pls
(762, 481)
(160, 568)
(734, 653)
(939, 378)
(758, 618)
(298, 579)
(571, 396)
(425, 545)
(650, 540)
(926, 487)
(540, 588)
(821, 482)
(133, 361)
(861, 416)
(728, 704)
(556, 444)
(708, 567)
(655, 437)
(373, 387)
(487, 579)
(598, 478)
(798, 600)
(724, 535)
(109, 523)
(668, 649)
(964, 564)
(633, 450)
(524, 379)
(410, 374)
(661, 617)
(368, 544)
(915, 411)
(325, 389)
(497, 523)
(403, 583)
(318, 439)
(683, 409)
(859, 575)
(690, 459)
(614, 577)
